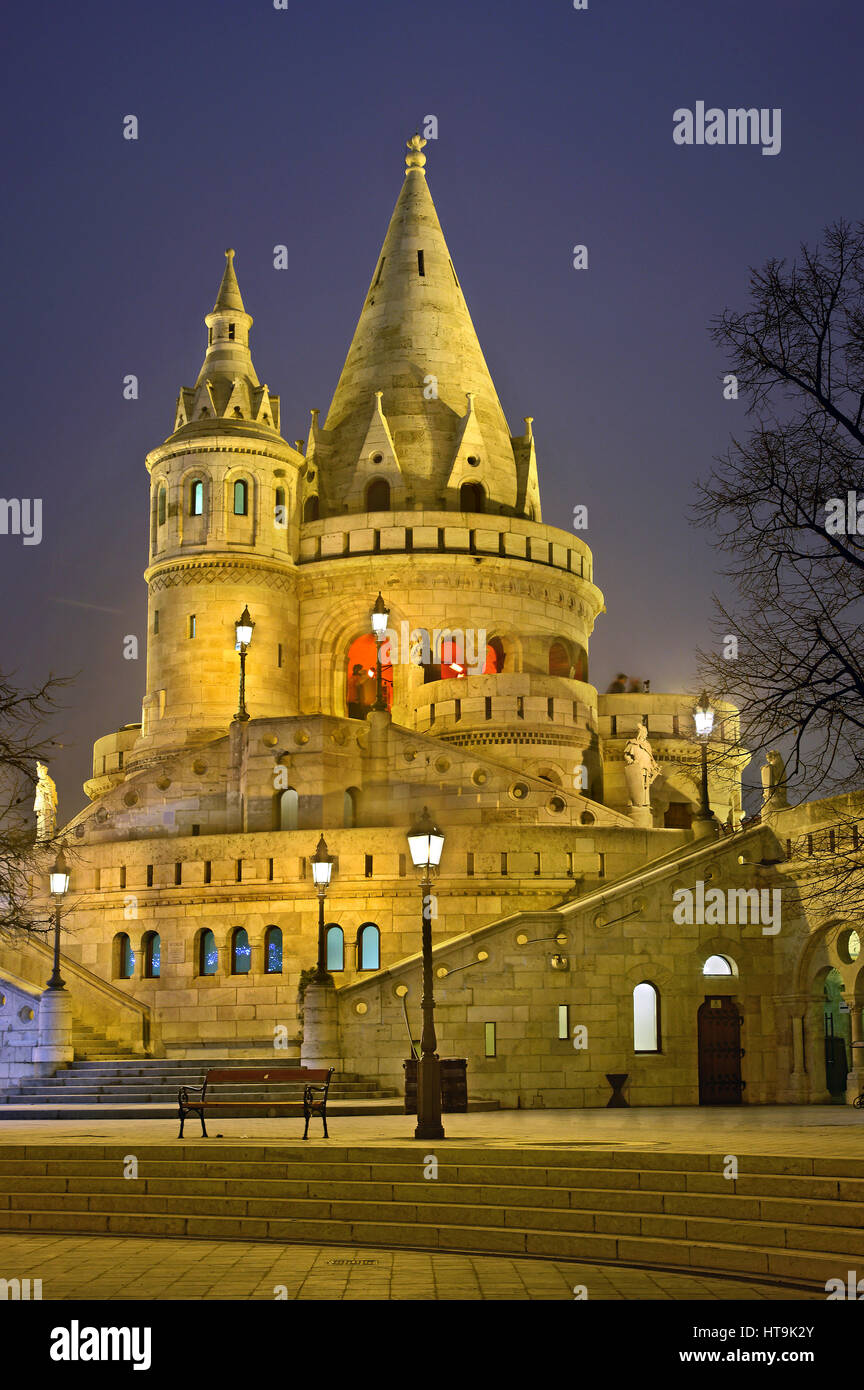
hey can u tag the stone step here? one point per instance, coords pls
(810, 1266)
(310, 1166)
(557, 1201)
(281, 1156)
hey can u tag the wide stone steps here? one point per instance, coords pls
(148, 1087)
(650, 1209)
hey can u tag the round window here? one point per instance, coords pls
(519, 791)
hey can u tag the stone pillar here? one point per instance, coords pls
(855, 1078)
(796, 1086)
(55, 1032)
(320, 1045)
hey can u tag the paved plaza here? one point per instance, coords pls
(818, 1131)
(107, 1268)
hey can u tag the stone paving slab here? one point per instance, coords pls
(821, 1133)
(113, 1268)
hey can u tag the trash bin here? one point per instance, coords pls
(454, 1085)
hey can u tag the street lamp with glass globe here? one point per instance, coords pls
(58, 879)
(425, 842)
(380, 614)
(703, 718)
(242, 641)
(322, 868)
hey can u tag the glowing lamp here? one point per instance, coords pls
(322, 865)
(58, 876)
(425, 841)
(243, 629)
(703, 716)
(380, 614)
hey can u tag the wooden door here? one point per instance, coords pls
(720, 1051)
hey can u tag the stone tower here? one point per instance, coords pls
(223, 491)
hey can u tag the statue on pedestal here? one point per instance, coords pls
(774, 797)
(640, 769)
(45, 804)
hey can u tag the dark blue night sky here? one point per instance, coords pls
(261, 126)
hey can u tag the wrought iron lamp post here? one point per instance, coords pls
(703, 718)
(322, 868)
(426, 841)
(58, 879)
(380, 614)
(242, 641)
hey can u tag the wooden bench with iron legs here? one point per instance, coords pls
(316, 1084)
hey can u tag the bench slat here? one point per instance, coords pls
(215, 1078)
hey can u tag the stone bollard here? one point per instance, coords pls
(55, 1048)
(320, 1045)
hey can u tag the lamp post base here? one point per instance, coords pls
(429, 1124)
(705, 827)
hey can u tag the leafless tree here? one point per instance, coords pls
(773, 503)
(22, 740)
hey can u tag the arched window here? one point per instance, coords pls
(289, 803)
(362, 677)
(559, 660)
(241, 497)
(241, 952)
(279, 516)
(368, 947)
(646, 1018)
(310, 509)
(161, 506)
(717, 965)
(208, 956)
(273, 951)
(451, 654)
(494, 657)
(124, 957)
(352, 797)
(471, 497)
(196, 498)
(334, 939)
(378, 496)
(152, 955)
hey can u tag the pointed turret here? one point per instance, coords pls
(227, 389)
(413, 363)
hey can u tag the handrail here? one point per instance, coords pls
(104, 987)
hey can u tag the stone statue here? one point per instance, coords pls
(774, 782)
(45, 804)
(640, 769)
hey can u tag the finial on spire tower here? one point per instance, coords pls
(416, 159)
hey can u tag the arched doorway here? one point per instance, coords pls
(720, 1051)
(471, 497)
(838, 1036)
(362, 677)
(378, 496)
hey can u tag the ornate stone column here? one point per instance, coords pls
(855, 1078)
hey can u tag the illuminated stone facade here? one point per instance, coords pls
(201, 823)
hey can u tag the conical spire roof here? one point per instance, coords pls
(229, 296)
(227, 389)
(416, 344)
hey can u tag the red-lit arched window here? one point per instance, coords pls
(494, 657)
(559, 660)
(361, 678)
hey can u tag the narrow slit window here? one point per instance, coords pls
(490, 1039)
(564, 1020)
(231, 332)
(420, 263)
(192, 625)
(178, 874)
(208, 871)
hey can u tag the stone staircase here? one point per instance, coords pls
(143, 1088)
(789, 1221)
